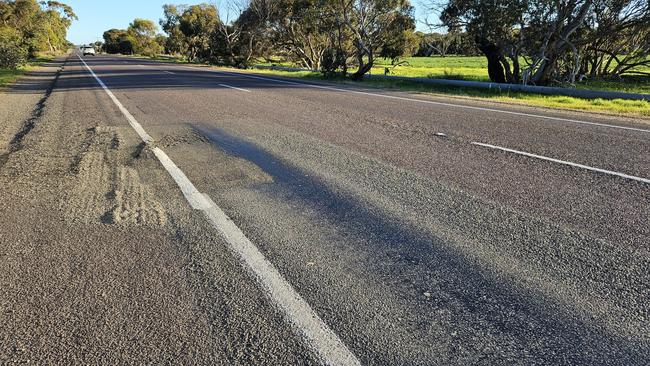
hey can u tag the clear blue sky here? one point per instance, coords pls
(97, 16)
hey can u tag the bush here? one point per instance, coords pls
(12, 53)
(333, 61)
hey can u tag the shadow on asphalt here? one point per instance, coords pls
(127, 74)
(516, 312)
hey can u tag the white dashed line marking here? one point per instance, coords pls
(575, 165)
(234, 87)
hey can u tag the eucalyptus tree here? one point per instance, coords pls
(198, 23)
(377, 29)
(170, 24)
(545, 33)
(144, 35)
(618, 38)
(28, 27)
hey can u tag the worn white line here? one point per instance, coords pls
(234, 87)
(560, 119)
(576, 165)
(132, 121)
(168, 72)
(318, 336)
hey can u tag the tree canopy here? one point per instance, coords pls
(28, 27)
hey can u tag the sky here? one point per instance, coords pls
(97, 16)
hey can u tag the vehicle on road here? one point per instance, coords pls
(87, 50)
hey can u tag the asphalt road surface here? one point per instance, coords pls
(173, 214)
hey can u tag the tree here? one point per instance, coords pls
(235, 42)
(376, 27)
(112, 41)
(437, 43)
(618, 38)
(197, 23)
(12, 53)
(492, 24)
(298, 29)
(40, 26)
(170, 24)
(543, 32)
(143, 32)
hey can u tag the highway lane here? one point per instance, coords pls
(413, 248)
(545, 238)
(381, 128)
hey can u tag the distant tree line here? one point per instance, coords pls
(530, 42)
(443, 44)
(139, 38)
(28, 27)
(328, 35)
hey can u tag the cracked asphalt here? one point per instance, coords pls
(413, 245)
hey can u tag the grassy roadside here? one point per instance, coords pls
(631, 108)
(9, 76)
(474, 67)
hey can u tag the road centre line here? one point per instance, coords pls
(317, 335)
(234, 87)
(169, 72)
(576, 165)
(428, 101)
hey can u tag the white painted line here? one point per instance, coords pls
(234, 87)
(168, 72)
(318, 336)
(132, 121)
(576, 165)
(431, 101)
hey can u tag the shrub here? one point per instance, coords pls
(333, 60)
(12, 52)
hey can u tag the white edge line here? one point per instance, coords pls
(427, 101)
(317, 334)
(132, 121)
(234, 87)
(576, 165)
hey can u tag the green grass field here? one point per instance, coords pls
(475, 69)
(451, 67)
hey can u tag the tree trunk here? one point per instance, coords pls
(363, 68)
(495, 69)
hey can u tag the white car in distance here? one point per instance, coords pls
(87, 50)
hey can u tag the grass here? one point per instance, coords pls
(474, 68)
(9, 76)
(616, 106)
(451, 67)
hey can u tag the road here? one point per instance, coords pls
(160, 213)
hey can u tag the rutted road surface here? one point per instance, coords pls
(156, 213)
